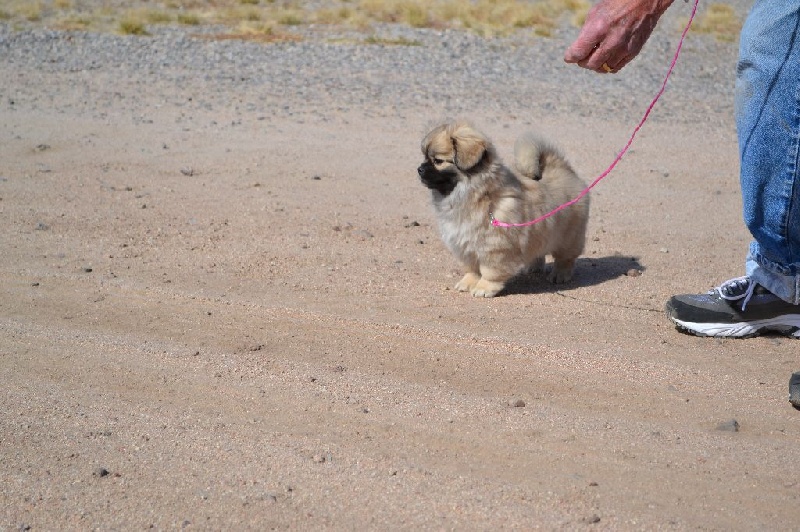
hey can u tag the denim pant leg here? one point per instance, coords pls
(768, 126)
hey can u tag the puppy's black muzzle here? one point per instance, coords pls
(442, 182)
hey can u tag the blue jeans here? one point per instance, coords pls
(768, 127)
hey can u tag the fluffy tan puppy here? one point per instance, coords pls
(469, 183)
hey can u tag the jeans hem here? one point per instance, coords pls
(782, 281)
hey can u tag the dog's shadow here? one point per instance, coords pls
(588, 272)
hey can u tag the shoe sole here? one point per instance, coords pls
(788, 325)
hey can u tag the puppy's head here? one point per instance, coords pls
(453, 152)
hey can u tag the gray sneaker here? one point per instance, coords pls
(739, 308)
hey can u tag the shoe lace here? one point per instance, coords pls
(731, 290)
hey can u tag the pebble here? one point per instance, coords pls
(101, 472)
(517, 403)
(729, 426)
(633, 272)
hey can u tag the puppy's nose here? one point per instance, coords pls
(421, 169)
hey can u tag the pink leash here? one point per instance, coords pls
(498, 223)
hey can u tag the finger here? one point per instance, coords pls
(588, 64)
(581, 49)
(619, 65)
(591, 35)
(598, 61)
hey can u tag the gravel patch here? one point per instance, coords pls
(329, 72)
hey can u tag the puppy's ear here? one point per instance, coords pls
(470, 146)
(433, 141)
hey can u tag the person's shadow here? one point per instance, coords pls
(588, 272)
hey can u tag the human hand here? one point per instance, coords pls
(614, 33)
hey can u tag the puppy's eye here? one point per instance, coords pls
(436, 160)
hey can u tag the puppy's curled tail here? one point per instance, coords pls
(533, 154)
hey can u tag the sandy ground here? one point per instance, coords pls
(253, 326)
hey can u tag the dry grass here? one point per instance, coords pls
(373, 39)
(188, 19)
(489, 18)
(30, 11)
(132, 26)
(719, 20)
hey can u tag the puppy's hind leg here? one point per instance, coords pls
(562, 269)
(569, 250)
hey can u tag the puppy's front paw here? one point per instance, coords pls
(486, 288)
(467, 283)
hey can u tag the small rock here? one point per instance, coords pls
(41, 226)
(729, 426)
(87, 270)
(591, 519)
(517, 403)
(633, 272)
(101, 472)
(318, 458)
(41, 147)
(794, 390)
(187, 171)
